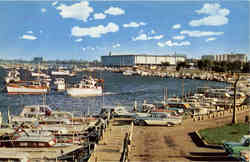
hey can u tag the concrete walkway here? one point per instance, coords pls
(110, 147)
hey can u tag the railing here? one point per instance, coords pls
(220, 114)
(127, 142)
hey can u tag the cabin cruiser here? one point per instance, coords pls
(60, 84)
(86, 87)
(27, 87)
(13, 75)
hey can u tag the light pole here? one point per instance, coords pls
(234, 120)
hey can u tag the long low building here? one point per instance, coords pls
(132, 60)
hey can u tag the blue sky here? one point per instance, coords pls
(87, 30)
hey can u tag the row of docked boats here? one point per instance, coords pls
(59, 135)
(88, 86)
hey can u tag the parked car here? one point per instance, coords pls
(245, 156)
(234, 148)
(120, 111)
(158, 118)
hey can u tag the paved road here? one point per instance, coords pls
(175, 143)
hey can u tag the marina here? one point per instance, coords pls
(124, 81)
(80, 131)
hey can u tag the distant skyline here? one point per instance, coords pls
(86, 30)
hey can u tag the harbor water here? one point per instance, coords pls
(118, 90)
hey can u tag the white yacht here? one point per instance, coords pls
(86, 87)
(60, 84)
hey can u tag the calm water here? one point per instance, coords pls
(118, 89)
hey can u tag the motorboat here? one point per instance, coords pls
(60, 84)
(86, 87)
(27, 87)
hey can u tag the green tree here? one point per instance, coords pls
(165, 63)
(246, 68)
(181, 65)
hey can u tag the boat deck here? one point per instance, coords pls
(37, 153)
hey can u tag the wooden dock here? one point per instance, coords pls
(111, 146)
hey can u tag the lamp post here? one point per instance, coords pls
(234, 120)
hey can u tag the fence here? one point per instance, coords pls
(220, 114)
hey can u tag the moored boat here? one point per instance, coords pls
(62, 72)
(27, 87)
(13, 75)
(60, 84)
(86, 87)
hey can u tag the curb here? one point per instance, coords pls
(204, 142)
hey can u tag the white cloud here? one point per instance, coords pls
(216, 15)
(141, 31)
(83, 49)
(141, 37)
(145, 37)
(114, 11)
(79, 11)
(210, 39)
(43, 10)
(179, 37)
(28, 37)
(171, 44)
(29, 32)
(152, 32)
(78, 40)
(116, 45)
(197, 33)
(134, 25)
(161, 44)
(94, 32)
(54, 3)
(176, 26)
(99, 16)
(156, 37)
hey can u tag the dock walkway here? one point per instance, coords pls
(110, 147)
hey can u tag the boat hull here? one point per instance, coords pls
(26, 90)
(84, 92)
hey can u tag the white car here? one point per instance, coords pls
(158, 118)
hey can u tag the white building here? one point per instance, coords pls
(132, 60)
(226, 57)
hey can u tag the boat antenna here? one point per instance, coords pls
(9, 117)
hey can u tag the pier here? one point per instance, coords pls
(147, 143)
(110, 147)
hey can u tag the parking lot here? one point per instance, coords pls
(161, 143)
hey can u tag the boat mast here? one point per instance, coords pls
(44, 98)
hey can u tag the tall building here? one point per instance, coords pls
(226, 57)
(132, 60)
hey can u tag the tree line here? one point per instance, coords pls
(224, 66)
(216, 66)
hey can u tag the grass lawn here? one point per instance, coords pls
(225, 133)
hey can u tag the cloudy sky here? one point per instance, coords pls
(87, 30)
